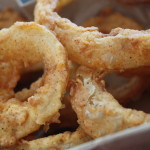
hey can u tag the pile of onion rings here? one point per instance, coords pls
(98, 112)
(121, 49)
(82, 78)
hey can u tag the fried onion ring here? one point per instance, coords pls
(106, 21)
(119, 50)
(98, 112)
(32, 43)
(25, 93)
(60, 141)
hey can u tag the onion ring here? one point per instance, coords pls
(106, 21)
(98, 112)
(32, 43)
(119, 50)
(25, 93)
(60, 141)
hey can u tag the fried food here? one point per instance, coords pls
(25, 93)
(108, 20)
(8, 79)
(60, 141)
(8, 17)
(121, 49)
(68, 118)
(32, 43)
(98, 112)
(27, 47)
(6, 94)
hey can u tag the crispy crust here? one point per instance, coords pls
(57, 142)
(106, 21)
(27, 44)
(119, 50)
(98, 112)
(25, 93)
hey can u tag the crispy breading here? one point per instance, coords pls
(60, 141)
(27, 44)
(119, 50)
(98, 113)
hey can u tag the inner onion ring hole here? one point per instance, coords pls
(35, 135)
(27, 79)
(113, 80)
